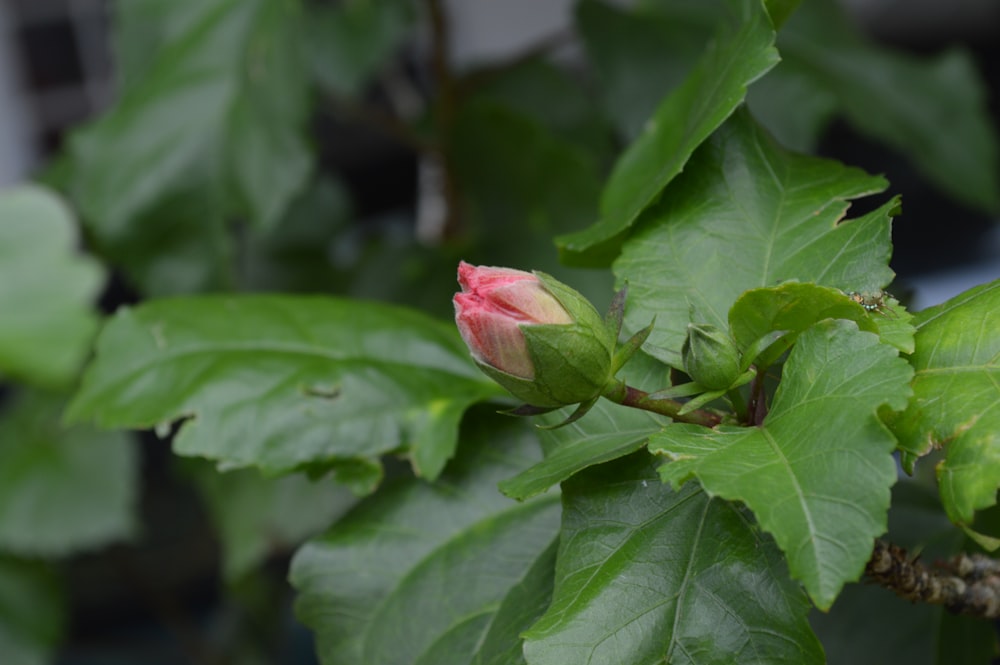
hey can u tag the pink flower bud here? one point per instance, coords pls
(538, 338)
(492, 307)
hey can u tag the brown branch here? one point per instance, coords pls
(966, 584)
(445, 111)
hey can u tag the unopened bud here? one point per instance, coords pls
(537, 337)
(710, 356)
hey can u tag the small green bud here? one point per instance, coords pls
(710, 356)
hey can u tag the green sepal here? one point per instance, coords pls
(527, 410)
(628, 349)
(580, 310)
(580, 412)
(572, 365)
(700, 401)
(572, 362)
(679, 390)
(616, 311)
(710, 356)
(524, 389)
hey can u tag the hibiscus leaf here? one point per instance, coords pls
(50, 287)
(434, 574)
(956, 393)
(685, 118)
(283, 382)
(648, 575)
(817, 472)
(745, 214)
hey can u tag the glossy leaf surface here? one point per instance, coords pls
(956, 396)
(748, 214)
(685, 118)
(424, 573)
(817, 472)
(282, 382)
(649, 575)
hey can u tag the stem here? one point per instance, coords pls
(445, 111)
(739, 405)
(758, 400)
(966, 584)
(640, 399)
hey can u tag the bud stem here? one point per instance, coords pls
(640, 399)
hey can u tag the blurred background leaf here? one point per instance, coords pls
(50, 286)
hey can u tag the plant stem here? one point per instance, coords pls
(444, 112)
(739, 405)
(966, 584)
(640, 399)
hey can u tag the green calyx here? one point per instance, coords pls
(710, 357)
(574, 363)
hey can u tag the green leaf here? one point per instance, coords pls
(933, 110)
(607, 432)
(817, 472)
(62, 489)
(955, 394)
(256, 517)
(638, 57)
(48, 284)
(281, 382)
(747, 214)
(791, 307)
(647, 575)
(31, 612)
(780, 10)
(534, 181)
(347, 43)
(422, 573)
(708, 95)
(523, 605)
(216, 116)
(793, 106)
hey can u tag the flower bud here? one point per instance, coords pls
(538, 338)
(710, 356)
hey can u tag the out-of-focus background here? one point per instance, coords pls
(153, 602)
(57, 70)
